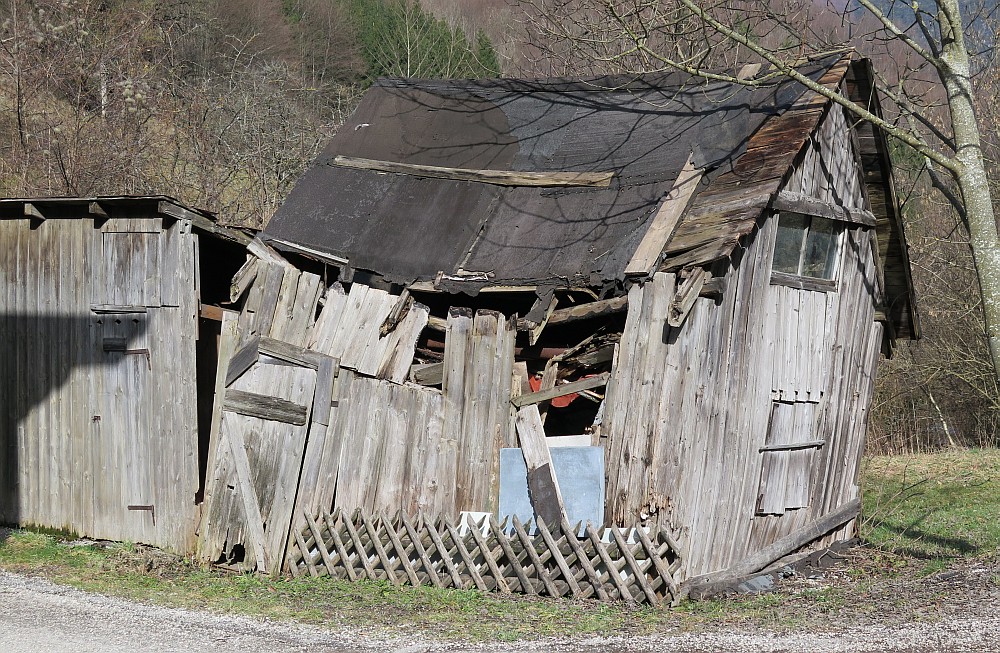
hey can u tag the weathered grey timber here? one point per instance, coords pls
(765, 345)
(97, 378)
(699, 286)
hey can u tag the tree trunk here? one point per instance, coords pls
(971, 174)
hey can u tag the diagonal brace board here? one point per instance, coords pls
(251, 507)
(668, 216)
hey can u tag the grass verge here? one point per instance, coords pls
(922, 514)
(933, 507)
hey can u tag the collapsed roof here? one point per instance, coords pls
(555, 182)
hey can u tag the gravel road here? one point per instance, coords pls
(37, 616)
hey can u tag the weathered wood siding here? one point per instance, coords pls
(98, 401)
(399, 446)
(689, 409)
(382, 444)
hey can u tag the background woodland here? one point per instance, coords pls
(224, 103)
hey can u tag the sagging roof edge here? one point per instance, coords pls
(106, 206)
(900, 307)
(903, 300)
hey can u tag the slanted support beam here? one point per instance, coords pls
(561, 390)
(786, 201)
(543, 487)
(668, 216)
(703, 585)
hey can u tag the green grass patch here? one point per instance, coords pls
(921, 514)
(933, 506)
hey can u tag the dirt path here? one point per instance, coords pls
(37, 616)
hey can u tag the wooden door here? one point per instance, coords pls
(268, 405)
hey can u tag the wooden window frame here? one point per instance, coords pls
(804, 282)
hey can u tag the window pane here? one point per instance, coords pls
(788, 244)
(820, 257)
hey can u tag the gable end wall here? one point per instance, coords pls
(688, 408)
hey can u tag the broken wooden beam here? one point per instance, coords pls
(561, 390)
(797, 203)
(543, 487)
(497, 177)
(702, 585)
(684, 298)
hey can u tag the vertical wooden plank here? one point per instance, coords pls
(543, 487)
(248, 496)
(456, 350)
(269, 299)
(398, 355)
(329, 316)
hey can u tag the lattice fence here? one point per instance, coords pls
(609, 564)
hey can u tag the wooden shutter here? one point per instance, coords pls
(787, 457)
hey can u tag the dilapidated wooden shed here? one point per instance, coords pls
(693, 279)
(696, 276)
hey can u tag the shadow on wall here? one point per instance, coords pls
(57, 372)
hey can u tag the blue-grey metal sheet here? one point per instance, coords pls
(579, 471)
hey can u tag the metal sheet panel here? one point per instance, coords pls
(579, 471)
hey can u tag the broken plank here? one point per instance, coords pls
(264, 407)
(668, 216)
(687, 294)
(497, 177)
(559, 391)
(543, 487)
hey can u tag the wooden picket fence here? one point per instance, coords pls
(609, 564)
